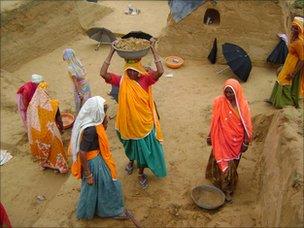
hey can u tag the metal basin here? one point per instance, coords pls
(208, 197)
(131, 54)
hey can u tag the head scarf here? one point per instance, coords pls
(227, 125)
(242, 104)
(137, 66)
(136, 115)
(91, 114)
(36, 78)
(75, 66)
(283, 37)
(298, 23)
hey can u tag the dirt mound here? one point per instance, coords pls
(8, 83)
(39, 27)
(281, 171)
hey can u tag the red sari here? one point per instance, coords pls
(24, 96)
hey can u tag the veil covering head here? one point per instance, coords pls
(75, 67)
(92, 113)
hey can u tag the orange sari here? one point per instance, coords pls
(228, 126)
(43, 133)
(104, 151)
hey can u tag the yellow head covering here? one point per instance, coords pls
(43, 85)
(136, 115)
(298, 23)
(137, 66)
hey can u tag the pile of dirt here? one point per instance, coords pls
(38, 27)
(280, 171)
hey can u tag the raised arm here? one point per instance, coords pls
(157, 61)
(104, 68)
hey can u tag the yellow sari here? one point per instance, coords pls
(136, 115)
(295, 54)
(43, 133)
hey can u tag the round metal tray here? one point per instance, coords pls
(208, 197)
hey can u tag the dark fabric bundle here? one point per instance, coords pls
(279, 53)
(213, 52)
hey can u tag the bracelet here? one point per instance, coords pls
(108, 63)
(157, 61)
(87, 177)
(245, 145)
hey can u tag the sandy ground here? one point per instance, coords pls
(184, 103)
(9, 5)
(152, 13)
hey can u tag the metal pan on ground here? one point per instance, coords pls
(67, 120)
(208, 197)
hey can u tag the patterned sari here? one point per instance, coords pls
(77, 70)
(43, 133)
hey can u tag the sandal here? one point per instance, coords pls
(129, 168)
(143, 180)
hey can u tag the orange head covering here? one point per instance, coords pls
(242, 105)
(298, 23)
(228, 126)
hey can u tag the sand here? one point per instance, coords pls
(184, 104)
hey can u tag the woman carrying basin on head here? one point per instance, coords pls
(77, 73)
(230, 134)
(137, 124)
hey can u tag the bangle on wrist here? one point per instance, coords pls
(108, 63)
(88, 176)
(157, 61)
(246, 145)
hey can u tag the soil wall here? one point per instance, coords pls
(280, 168)
(253, 25)
(39, 27)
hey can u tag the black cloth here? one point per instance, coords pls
(279, 53)
(58, 120)
(137, 34)
(89, 140)
(212, 54)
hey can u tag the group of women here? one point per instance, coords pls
(138, 127)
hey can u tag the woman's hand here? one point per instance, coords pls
(289, 77)
(152, 42)
(112, 50)
(244, 147)
(90, 180)
(209, 142)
